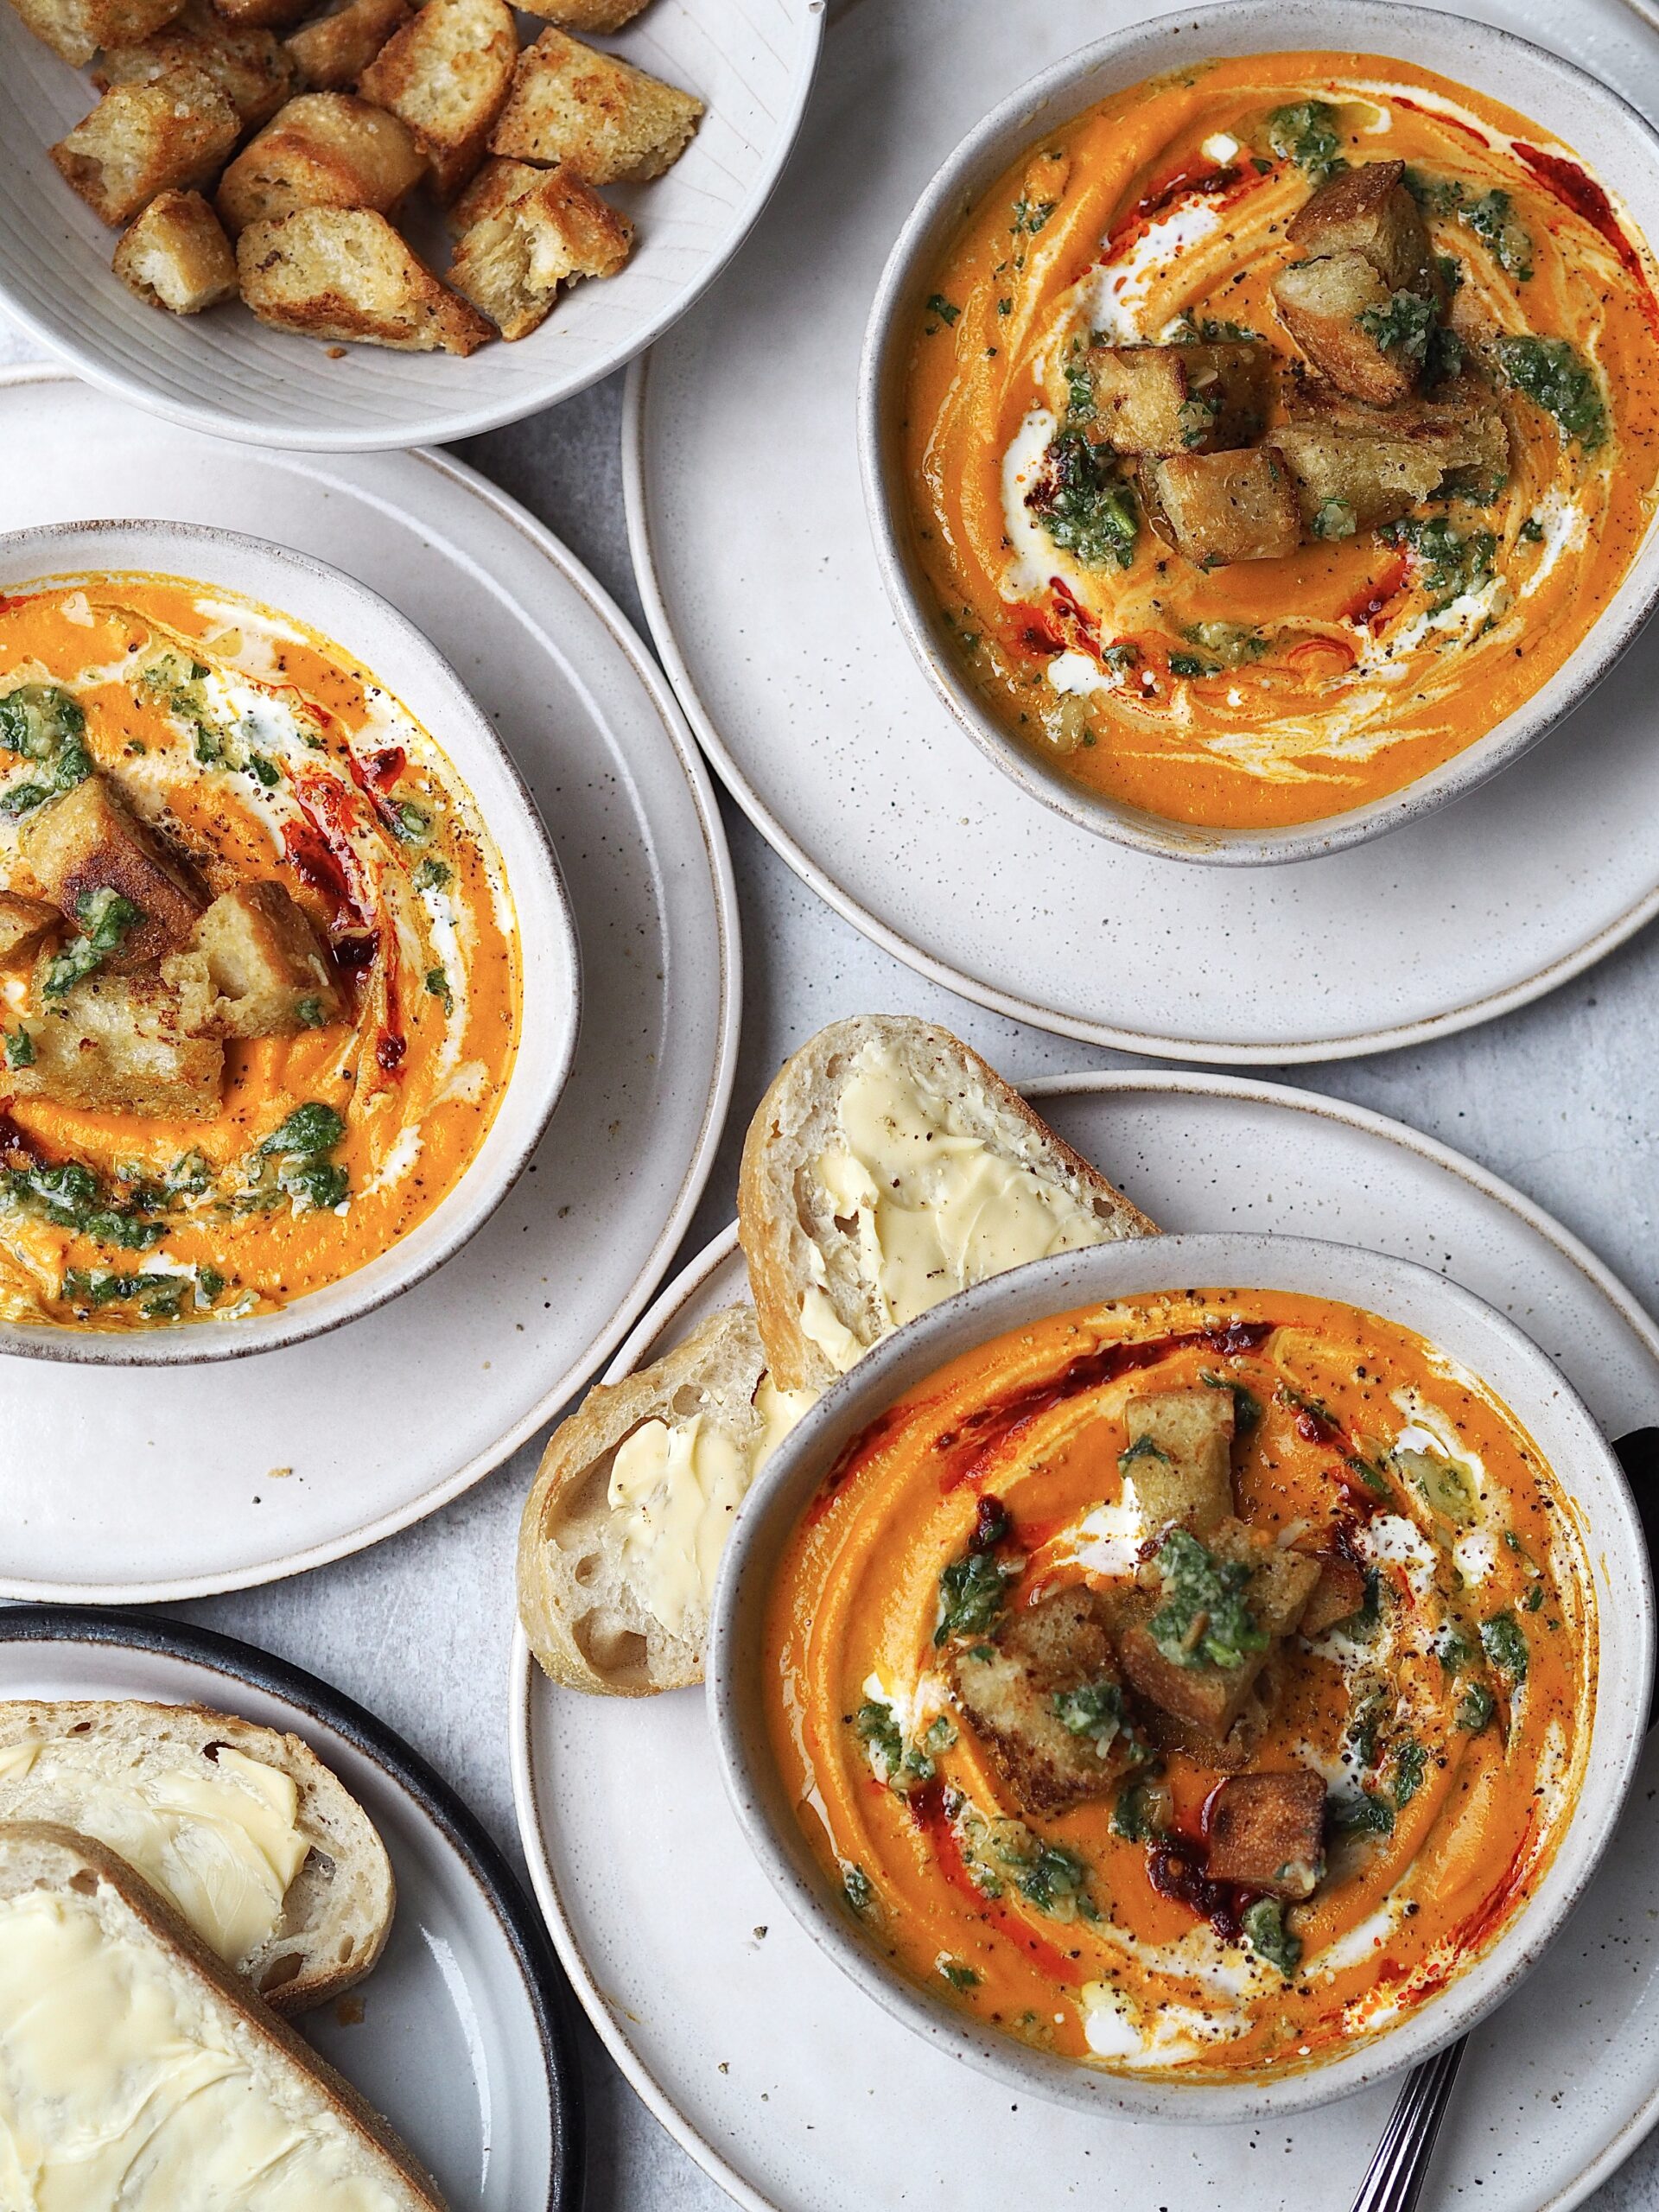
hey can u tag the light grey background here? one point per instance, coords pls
(1559, 1098)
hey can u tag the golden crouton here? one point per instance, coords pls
(1044, 1697)
(143, 139)
(332, 52)
(600, 15)
(593, 113)
(446, 74)
(1367, 211)
(1357, 467)
(175, 256)
(263, 15)
(1370, 341)
(496, 185)
(249, 67)
(1338, 1594)
(88, 840)
(24, 923)
(343, 273)
(1218, 507)
(323, 149)
(267, 974)
(1179, 1457)
(512, 264)
(119, 1044)
(1165, 399)
(76, 29)
(1266, 1832)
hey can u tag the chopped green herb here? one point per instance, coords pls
(1450, 566)
(312, 1127)
(1554, 376)
(1305, 133)
(1204, 1618)
(1335, 518)
(1080, 387)
(939, 305)
(1005, 306)
(1476, 1708)
(1532, 1602)
(437, 983)
(1057, 1882)
(44, 723)
(1403, 325)
(1504, 1643)
(264, 771)
(299, 1166)
(1189, 664)
(972, 1592)
(1144, 1447)
(1029, 215)
(1435, 195)
(1492, 220)
(1265, 1931)
(1197, 417)
(71, 1196)
(1364, 1812)
(1451, 1648)
(1531, 531)
(104, 918)
(1082, 501)
(1410, 1764)
(1098, 1711)
(1210, 332)
(210, 1283)
(190, 1175)
(1233, 644)
(309, 1013)
(432, 875)
(958, 1976)
(1247, 1406)
(409, 823)
(857, 1888)
(940, 1735)
(1120, 655)
(1445, 355)
(1447, 1488)
(19, 1047)
(1369, 1473)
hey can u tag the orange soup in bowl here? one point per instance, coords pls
(1188, 1685)
(1276, 429)
(259, 968)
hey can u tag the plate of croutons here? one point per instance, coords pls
(237, 212)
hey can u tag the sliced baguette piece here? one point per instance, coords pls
(344, 274)
(916, 1085)
(250, 2080)
(593, 112)
(585, 1573)
(101, 1762)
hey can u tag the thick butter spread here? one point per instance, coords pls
(113, 2092)
(679, 1489)
(218, 1838)
(936, 1208)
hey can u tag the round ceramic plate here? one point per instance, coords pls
(755, 560)
(751, 61)
(794, 2091)
(122, 1485)
(461, 2037)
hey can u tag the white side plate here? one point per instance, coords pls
(754, 556)
(463, 2042)
(794, 2091)
(122, 1485)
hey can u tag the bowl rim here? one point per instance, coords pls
(220, 1341)
(437, 427)
(1241, 1258)
(1379, 26)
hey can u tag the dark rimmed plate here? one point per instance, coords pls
(464, 2042)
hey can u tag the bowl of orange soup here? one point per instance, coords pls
(1191, 1702)
(1258, 427)
(288, 980)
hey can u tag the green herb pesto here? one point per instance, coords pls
(1265, 1931)
(104, 918)
(972, 1592)
(1403, 325)
(1504, 1642)
(1205, 1619)
(1305, 133)
(1084, 503)
(44, 723)
(1555, 376)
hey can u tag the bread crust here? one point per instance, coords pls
(593, 112)
(316, 1922)
(344, 273)
(446, 74)
(322, 149)
(773, 1240)
(40, 1854)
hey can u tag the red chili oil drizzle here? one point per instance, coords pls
(328, 806)
(17, 1147)
(1435, 115)
(307, 854)
(1369, 605)
(393, 1046)
(1470, 1933)
(927, 1808)
(1578, 190)
(1184, 184)
(375, 777)
(988, 1428)
(1177, 1867)
(355, 953)
(866, 1444)
(1037, 634)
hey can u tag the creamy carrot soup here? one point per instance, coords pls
(1189, 1684)
(1276, 429)
(258, 961)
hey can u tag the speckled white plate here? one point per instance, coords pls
(794, 2091)
(754, 556)
(124, 1484)
(461, 2036)
(751, 61)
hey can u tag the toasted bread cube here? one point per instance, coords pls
(1165, 399)
(1218, 507)
(267, 973)
(120, 1043)
(600, 16)
(343, 273)
(1367, 211)
(1379, 464)
(262, 15)
(1197, 1694)
(88, 840)
(1179, 1457)
(76, 29)
(495, 188)
(249, 67)
(1014, 1690)
(1266, 1833)
(24, 923)
(593, 113)
(1321, 303)
(323, 149)
(332, 52)
(143, 139)
(1338, 1594)
(175, 256)
(1281, 1581)
(512, 264)
(446, 74)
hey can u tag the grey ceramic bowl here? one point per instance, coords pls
(1620, 145)
(416, 674)
(1451, 1318)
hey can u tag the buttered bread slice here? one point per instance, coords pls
(270, 1860)
(886, 1167)
(137, 2070)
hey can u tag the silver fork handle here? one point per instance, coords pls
(1394, 2180)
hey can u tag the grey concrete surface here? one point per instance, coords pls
(1559, 1098)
